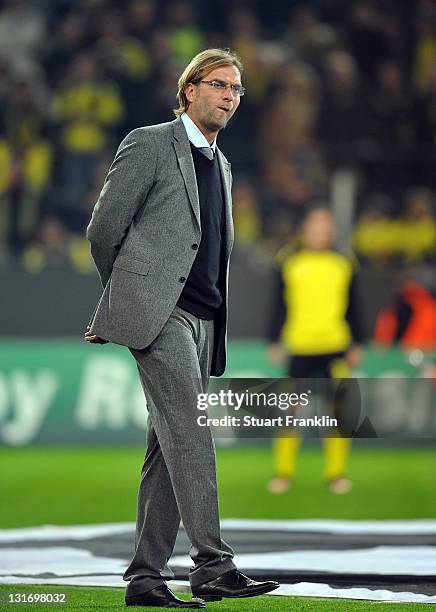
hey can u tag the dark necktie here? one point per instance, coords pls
(207, 151)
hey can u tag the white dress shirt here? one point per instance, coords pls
(196, 137)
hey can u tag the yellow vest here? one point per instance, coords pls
(316, 296)
(87, 111)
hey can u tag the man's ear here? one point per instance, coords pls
(189, 92)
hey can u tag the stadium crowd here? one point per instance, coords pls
(331, 85)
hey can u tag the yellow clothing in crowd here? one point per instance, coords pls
(36, 165)
(411, 239)
(87, 109)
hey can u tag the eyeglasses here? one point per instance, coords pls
(237, 90)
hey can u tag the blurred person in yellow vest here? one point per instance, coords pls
(55, 247)
(316, 324)
(410, 238)
(89, 110)
(417, 227)
(26, 159)
(126, 60)
(375, 233)
(50, 248)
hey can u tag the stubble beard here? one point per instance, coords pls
(212, 124)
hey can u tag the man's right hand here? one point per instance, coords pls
(90, 337)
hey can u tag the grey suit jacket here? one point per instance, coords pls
(141, 232)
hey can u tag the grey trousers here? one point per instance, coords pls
(178, 478)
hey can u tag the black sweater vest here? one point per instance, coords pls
(201, 296)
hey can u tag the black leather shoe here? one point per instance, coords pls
(232, 584)
(162, 597)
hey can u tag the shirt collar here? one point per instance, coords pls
(194, 134)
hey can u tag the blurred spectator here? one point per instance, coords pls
(25, 117)
(186, 38)
(4, 80)
(88, 110)
(22, 31)
(425, 43)
(308, 36)
(163, 93)
(288, 121)
(80, 256)
(25, 166)
(417, 227)
(375, 233)
(126, 60)
(366, 36)
(121, 55)
(69, 38)
(245, 37)
(391, 129)
(399, 36)
(56, 248)
(409, 239)
(344, 117)
(279, 233)
(50, 249)
(140, 18)
(100, 171)
(283, 193)
(391, 109)
(425, 126)
(410, 319)
(246, 217)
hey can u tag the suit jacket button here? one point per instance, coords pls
(194, 246)
(182, 279)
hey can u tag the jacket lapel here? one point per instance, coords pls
(186, 164)
(227, 182)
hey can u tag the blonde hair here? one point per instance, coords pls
(200, 66)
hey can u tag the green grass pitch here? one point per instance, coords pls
(91, 599)
(65, 486)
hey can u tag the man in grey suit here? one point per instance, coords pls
(161, 235)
